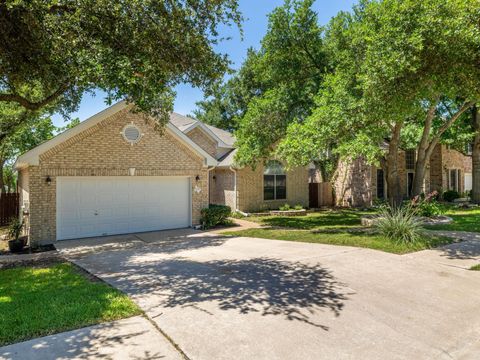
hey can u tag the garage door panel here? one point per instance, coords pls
(96, 206)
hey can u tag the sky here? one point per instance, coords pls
(255, 13)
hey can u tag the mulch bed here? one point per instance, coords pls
(28, 250)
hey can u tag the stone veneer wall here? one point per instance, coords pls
(453, 159)
(352, 183)
(204, 141)
(250, 189)
(356, 181)
(102, 151)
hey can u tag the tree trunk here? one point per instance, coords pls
(426, 146)
(476, 157)
(2, 182)
(422, 156)
(393, 179)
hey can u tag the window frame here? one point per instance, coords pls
(457, 176)
(278, 172)
(410, 155)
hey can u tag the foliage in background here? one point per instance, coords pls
(399, 224)
(291, 65)
(275, 86)
(214, 215)
(19, 140)
(226, 103)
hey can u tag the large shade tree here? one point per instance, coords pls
(227, 102)
(53, 51)
(398, 65)
(476, 156)
(291, 65)
(274, 86)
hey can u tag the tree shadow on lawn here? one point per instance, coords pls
(315, 220)
(262, 285)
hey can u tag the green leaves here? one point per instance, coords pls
(130, 48)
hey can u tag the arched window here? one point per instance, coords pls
(274, 181)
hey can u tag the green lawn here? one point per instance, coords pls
(324, 220)
(334, 227)
(344, 238)
(41, 301)
(464, 220)
(475, 267)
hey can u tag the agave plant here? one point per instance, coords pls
(400, 224)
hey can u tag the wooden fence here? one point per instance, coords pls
(8, 207)
(320, 194)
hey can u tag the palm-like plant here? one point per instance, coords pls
(400, 224)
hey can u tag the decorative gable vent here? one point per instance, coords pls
(131, 133)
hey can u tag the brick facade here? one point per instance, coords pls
(443, 160)
(222, 187)
(355, 182)
(250, 189)
(204, 141)
(102, 151)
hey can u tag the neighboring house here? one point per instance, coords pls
(116, 173)
(360, 184)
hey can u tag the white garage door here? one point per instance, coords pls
(98, 206)
(468, 182)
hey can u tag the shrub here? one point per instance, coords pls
(15, 228)
(237, 215)
(285, 207)
(451, 195)
(298, 207)
(399, 224)
(430, 208)
(214, 215)
(427, 205)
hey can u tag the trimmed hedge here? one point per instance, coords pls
(214, 215)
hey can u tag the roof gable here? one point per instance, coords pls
(32, 157)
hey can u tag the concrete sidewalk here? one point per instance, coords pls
(133, 338)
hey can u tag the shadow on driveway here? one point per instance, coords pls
(262, 285)
(133, 338)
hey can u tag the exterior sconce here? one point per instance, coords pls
(48, 180)
(197, 178)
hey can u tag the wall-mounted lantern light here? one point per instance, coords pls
(48, 180)
(197, 178)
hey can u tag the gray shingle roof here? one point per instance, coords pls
(184, 122)
(228, 159)
(181, 121)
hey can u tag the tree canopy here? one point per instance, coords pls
(402, 69)
(55, 51)
(275, 86)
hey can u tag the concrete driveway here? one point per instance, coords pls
(242, 298)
